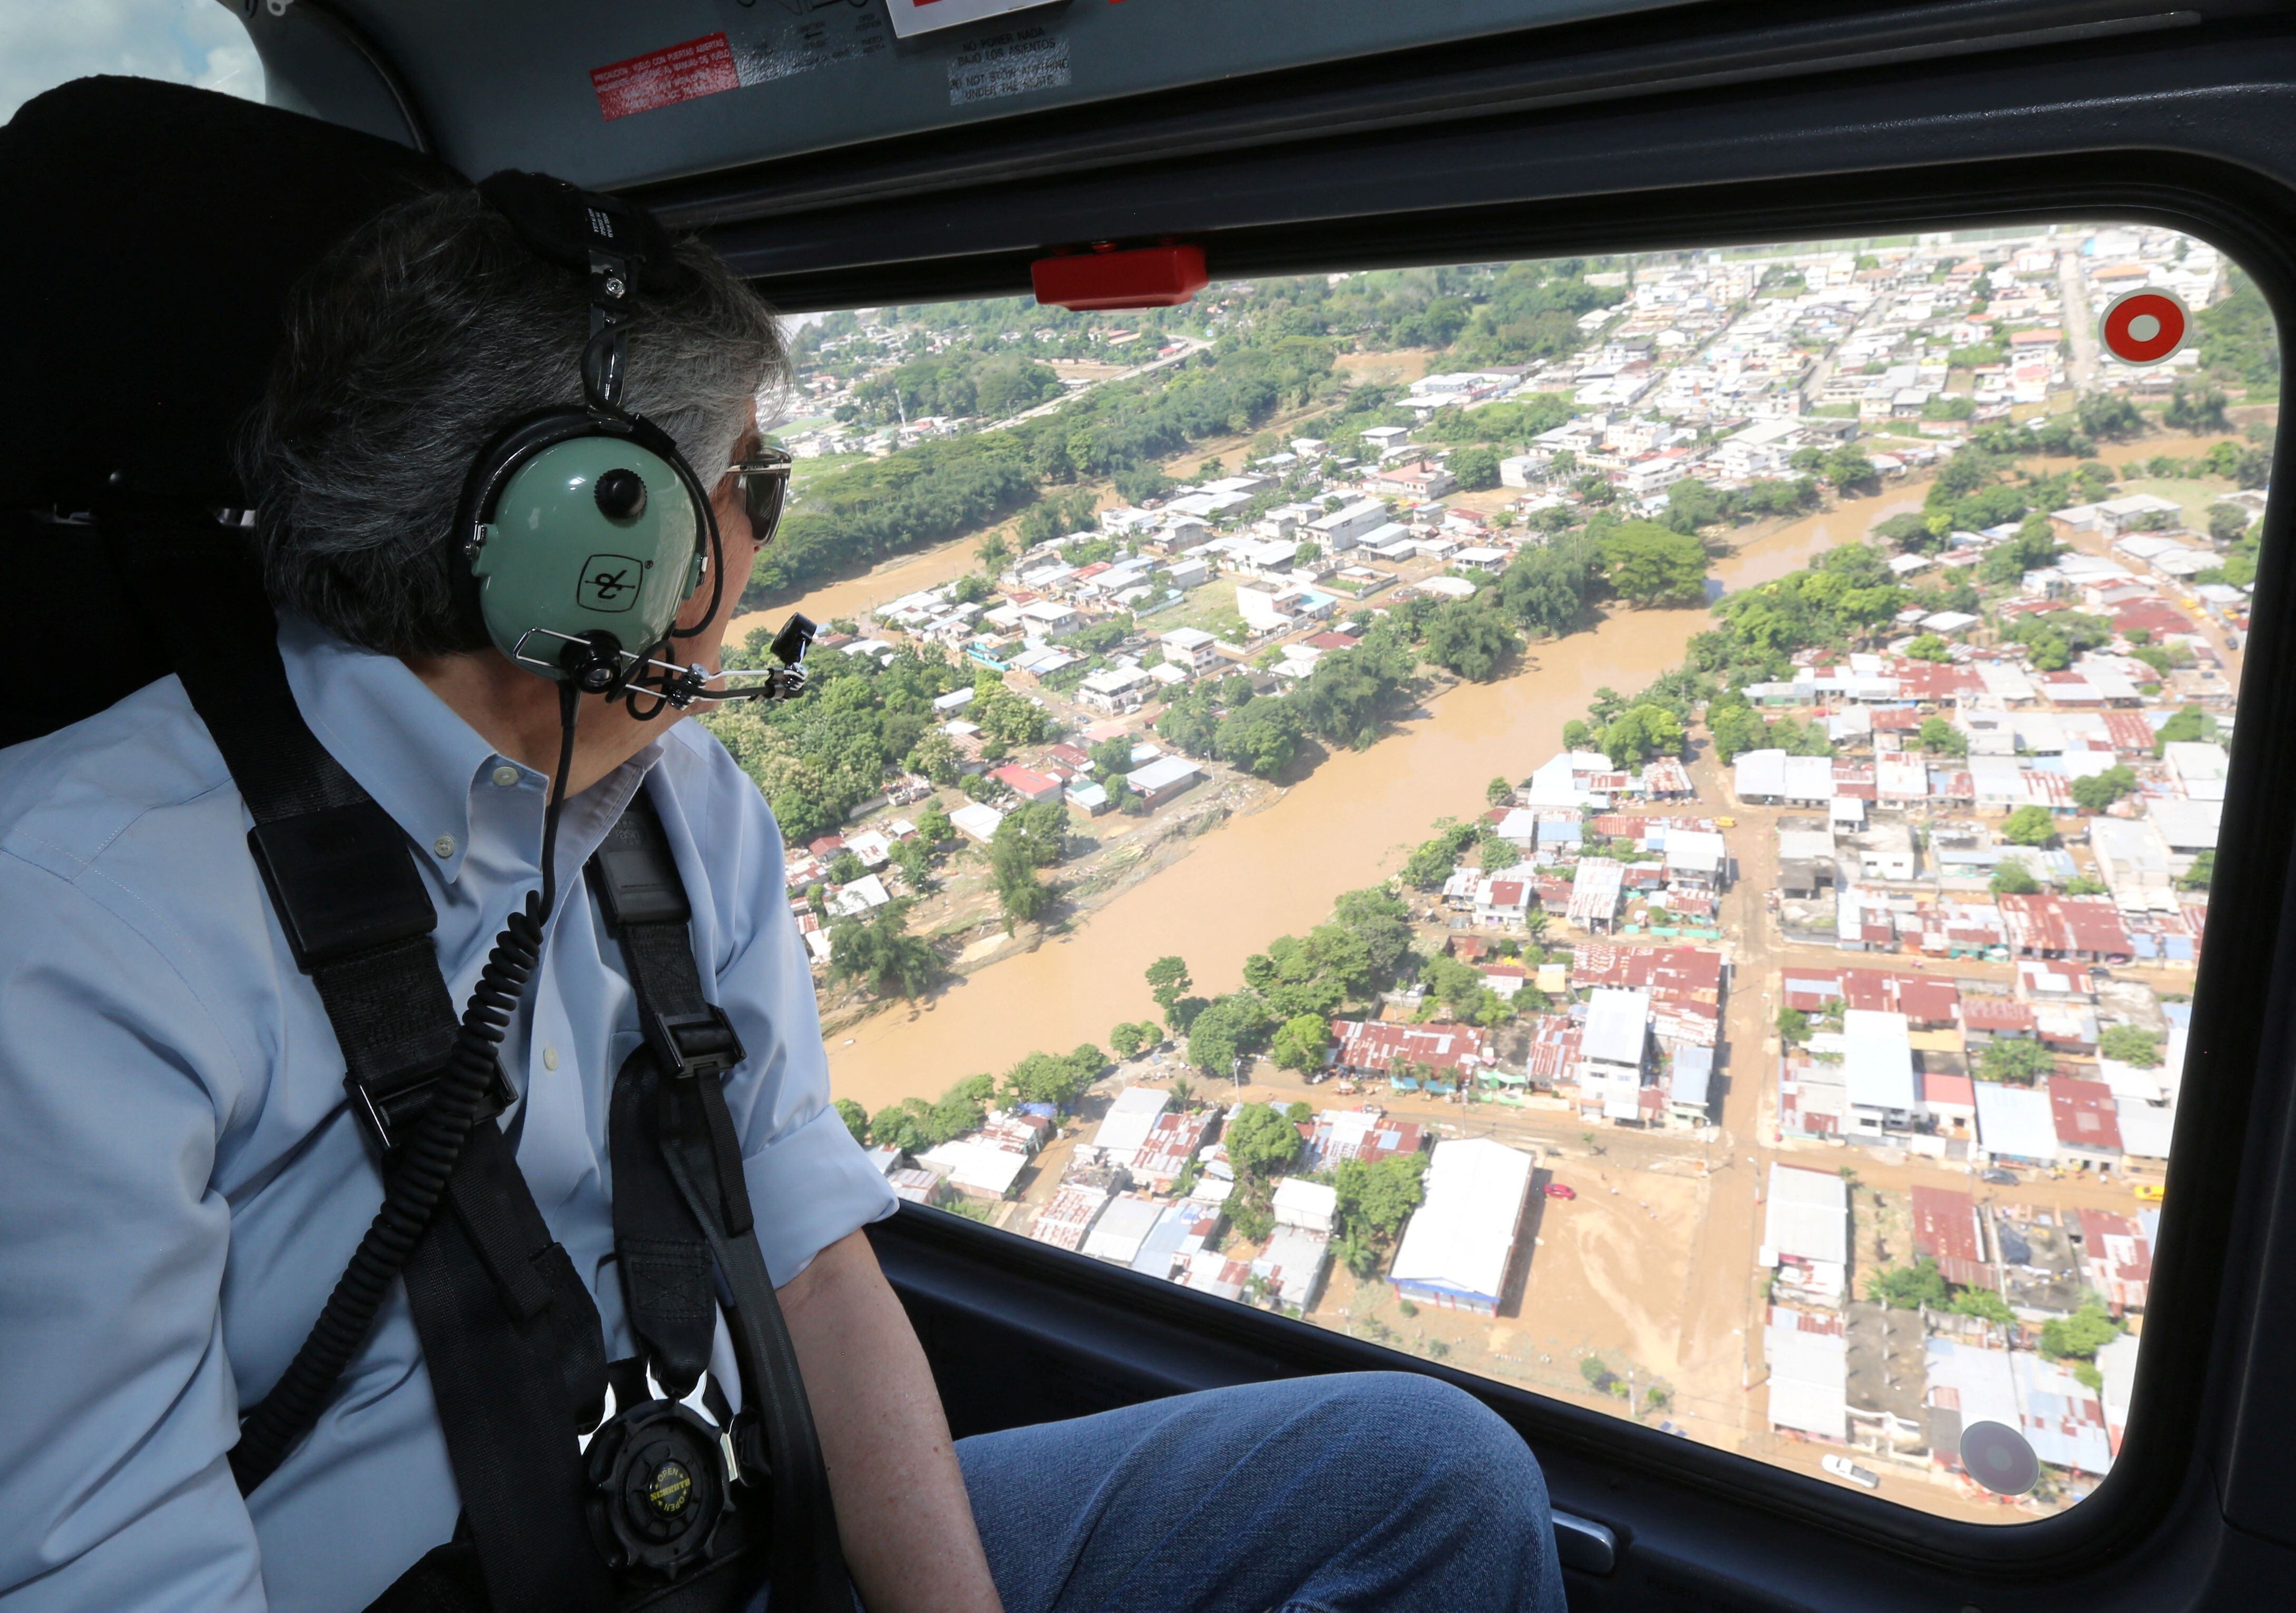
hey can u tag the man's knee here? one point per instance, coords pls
(1442, 1434)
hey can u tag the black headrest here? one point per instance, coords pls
(157, 231)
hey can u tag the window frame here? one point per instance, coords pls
(2253, 223)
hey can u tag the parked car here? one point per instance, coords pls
(1556, 1189)
(1842, 1467)
(2006, 1178)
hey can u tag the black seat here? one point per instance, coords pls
(158, 229)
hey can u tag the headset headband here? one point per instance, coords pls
(620, 248)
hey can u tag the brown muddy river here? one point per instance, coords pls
(1349, 825)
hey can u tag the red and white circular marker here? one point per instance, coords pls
(2145, 327)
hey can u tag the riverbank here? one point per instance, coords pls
(1277, 870)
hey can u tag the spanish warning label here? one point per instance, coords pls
(664, 78)
(1007, 64)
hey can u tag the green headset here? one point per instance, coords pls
(581, 531)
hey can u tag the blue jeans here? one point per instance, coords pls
(1343, 1495)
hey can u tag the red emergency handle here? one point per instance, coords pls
(1143, 277)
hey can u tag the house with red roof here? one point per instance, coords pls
(1028, 783)
(2117, 1257)
(1947, 1229)
(2087, 1125)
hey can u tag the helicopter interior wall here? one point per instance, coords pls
(2190, 125)
(551, 84)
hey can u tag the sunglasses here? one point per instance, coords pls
(764, 475)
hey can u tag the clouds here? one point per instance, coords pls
(44, 43)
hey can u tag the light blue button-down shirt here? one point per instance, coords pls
(181, 1180)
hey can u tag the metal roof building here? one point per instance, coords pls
(1617, 1025)
(1122, 1229)
(1460, 1243)
(1877, 1061)
(2015, 1123)
(1808, 1359)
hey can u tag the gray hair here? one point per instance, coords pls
(410, 347)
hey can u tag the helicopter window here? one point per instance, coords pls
(194, 42)
(1638, 826)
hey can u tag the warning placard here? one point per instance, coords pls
(1007, 64)
(914, 17)
(664, 78)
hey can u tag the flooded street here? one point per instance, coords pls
(1349, 825)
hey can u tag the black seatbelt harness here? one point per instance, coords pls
(659, 1506)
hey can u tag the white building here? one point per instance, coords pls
(1190, 647)
(1128, 1121)
(1806, 1234)
(1613, 1052)
(1877, 1068)
(1458, 1250)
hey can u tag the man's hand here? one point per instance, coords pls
(901, 1507)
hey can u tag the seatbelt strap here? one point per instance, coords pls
(690, 1045)
(504, 1319)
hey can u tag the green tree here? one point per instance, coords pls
(2019, 1060)
(1475, 468)
(1909, 1288)
(933, 827)
(1373, 1201)
(2100, 791)
(2080, 1335)
(1167, 983)
(2108, 417)
(1213, 1043)
(993, 551)
(1984, 1304)
(2187, 725)
(1382, 924)
(879, 951)
(2201, 874)
(2030, 826)
(2129, 1044)
(1942, 738)
(1733, 725)
(1640, 734)
(2227, 522)
(935, 756)
(844, 868)
(1470, 637)
(1126, 1039)
(1020, 893)
(1499, 792)
(1261, 736)
(2014, 878)
(1794, 1026)
(1054, 1078)
(1929, 647)
(855, 1118)
(1261, 1140)
(1648, 565)
(1300, 1044)
(2196, 412)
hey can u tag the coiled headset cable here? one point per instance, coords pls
(416, 1179)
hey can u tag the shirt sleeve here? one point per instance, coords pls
(119, 1404)
(810, 1184)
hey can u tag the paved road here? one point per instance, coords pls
(2080, 320)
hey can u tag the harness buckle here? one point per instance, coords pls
(391, 1106)
(693, 1045)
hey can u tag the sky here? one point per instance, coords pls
(44, 43)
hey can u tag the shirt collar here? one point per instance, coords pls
(410, 750)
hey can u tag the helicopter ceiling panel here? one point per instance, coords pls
(610, 94)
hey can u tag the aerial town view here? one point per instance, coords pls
(1640, 827)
